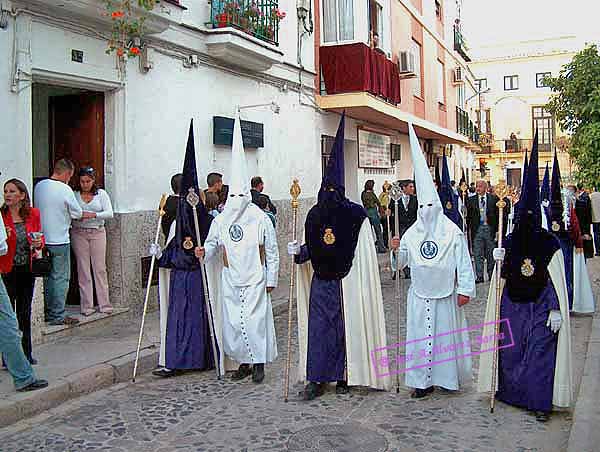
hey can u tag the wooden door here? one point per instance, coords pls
(76, 132)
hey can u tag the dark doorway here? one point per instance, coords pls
(76, 132)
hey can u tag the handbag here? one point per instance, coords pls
(41, 266)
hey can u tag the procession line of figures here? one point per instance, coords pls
(223, 317)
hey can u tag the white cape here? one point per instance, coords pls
(363, 314)
(562, 395)
(583, 297)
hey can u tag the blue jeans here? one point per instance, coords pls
(10, 343)
(56, 284)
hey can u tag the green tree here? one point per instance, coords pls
(576, 105)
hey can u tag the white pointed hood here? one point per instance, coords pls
(432, 239)
(239, 197)
(430, 214)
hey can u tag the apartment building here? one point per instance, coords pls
(511, 77)
(388, 64)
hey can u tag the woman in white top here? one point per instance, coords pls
(88, 239)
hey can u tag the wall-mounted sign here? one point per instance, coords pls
(252, 133)
(77, 56)
(374, 150)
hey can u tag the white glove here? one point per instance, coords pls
(554, 321)
(293, 248)
(545, 203)
(511, 216)
(499, 254)
(154, 250)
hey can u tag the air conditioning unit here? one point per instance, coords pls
(458, 77)
(406, 64)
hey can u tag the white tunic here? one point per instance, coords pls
(433, 313)
(164, 278)
(248, 330)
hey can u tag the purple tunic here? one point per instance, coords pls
(326, 354)
(566, 245)
(526, 370)
(188, 344)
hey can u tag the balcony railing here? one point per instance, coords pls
(258, 18)
(465, 126)
(459, 44)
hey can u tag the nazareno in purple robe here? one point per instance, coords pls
(326, 353)
(526, 370)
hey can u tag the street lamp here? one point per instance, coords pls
(273, 105)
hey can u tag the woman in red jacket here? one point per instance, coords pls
(20, 220)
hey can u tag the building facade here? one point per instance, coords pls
(511, 77)
(365, 49)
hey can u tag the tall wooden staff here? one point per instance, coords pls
(161, 212)
(396, 195)
(387, 188)
(501, 192)
(463, 192)
(193, 199)
(295, 193)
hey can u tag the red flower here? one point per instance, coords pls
(117, 14)
(120, 52)
(134, 51)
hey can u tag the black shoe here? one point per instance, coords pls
(479, 281)
(342, 387)
(312, 391)
(394, 276)
(37, 384)
(243, 371)
(258, 373)
(541, 416)
(420, 393)
(32, 360)
(163, 372)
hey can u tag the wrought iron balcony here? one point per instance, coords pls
(258, 18)
(465, 126)
(459, 44)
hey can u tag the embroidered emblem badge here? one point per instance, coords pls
(188, 244)
(429, 249)
(449, 205)
(527, 268)
(236, 232)
(328, 237)
(555, 226)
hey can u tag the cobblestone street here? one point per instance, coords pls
(195, 412)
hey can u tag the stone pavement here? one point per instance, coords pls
(195, 412)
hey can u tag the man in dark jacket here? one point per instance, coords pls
(407, 214)
(482, 221)
(171, 204)
(256, 190)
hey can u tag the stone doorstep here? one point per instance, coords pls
(19, 406)
(51, 333)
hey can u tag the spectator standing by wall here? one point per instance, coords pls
(257, 187)
(371, 203)
(595, 201)
(24, 228)
(89, 243)
(583, 210)
(58, 207)
(263, 202)
(384, 201)
(10, 338)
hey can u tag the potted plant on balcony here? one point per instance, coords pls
(127, 26)
(230, 14)
(252, 14)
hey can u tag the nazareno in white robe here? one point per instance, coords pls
(363, 314)
(437, 317)
(562, 395)
(242, 309)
